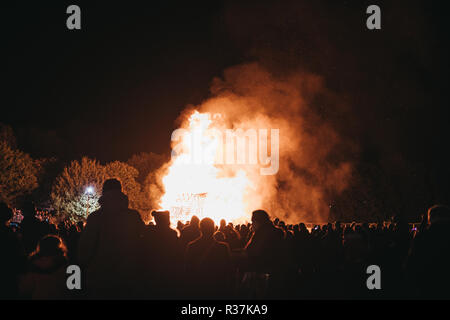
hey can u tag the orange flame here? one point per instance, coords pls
(196, 185)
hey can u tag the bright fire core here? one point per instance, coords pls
(196, 185)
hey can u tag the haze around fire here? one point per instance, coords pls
(311, 168)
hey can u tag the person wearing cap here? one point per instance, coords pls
(110, 250)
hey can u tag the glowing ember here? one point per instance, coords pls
(195, 184)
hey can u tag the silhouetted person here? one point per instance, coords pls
(72, 236)
(32, 229)
(165, 258)
(190, 232)
(180, 226)
(429, 262)
(266, 250)
(222, 225)
(265, 245)
(219, 236)
(46, 276)
(232, 237)
(244, 234)
(208, 265)
(355, 249)
(110, 248)
(11, 255)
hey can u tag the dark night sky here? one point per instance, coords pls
(115, 87)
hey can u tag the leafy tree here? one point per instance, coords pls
(149, 166)
(69, 196)
(69, 192)
(146, 163)
(48, 170)
(18, 174)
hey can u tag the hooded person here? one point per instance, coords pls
(267, 251)
(110, 249)
(46, 275)
(266, 244)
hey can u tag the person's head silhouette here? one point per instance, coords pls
(162, 218)
(111, 185)
(51, 245)
(113, 200)
(260, 218)
(207, 227)
(194, 222)
(28, 209)
(219, 236)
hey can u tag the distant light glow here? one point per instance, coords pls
(89, 190)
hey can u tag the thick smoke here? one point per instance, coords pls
(310, 172)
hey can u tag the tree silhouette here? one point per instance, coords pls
(18, 174)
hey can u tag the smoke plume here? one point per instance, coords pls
(312, 169)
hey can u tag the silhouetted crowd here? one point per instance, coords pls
(121, 257)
